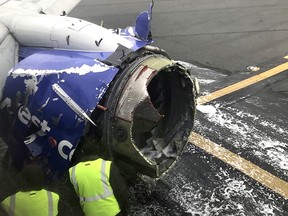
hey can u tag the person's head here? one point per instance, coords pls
(31, 178)
(87, 147)
(90, 145)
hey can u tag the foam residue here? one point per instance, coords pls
(250, 137)
(229, 198)
(207, 109)
(84, 69)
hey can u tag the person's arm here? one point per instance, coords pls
(119, 187)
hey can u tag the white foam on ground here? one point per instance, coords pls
(249, 137)
(207, 109)
(230, 196)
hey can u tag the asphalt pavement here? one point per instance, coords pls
(220, 39)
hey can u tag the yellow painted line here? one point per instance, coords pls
(260, 175)
(242, 84)
(286, 57)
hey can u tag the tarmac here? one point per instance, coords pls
(236, 160)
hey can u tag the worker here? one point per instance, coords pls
(32, 199)
(100, 188)
(99, 185)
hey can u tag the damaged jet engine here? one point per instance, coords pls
(150, 113)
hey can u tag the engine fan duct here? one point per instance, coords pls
(152, 107)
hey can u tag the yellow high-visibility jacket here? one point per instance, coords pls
(31, 203)
(91, 183)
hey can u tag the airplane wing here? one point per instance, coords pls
(8, 53)
(53, 7)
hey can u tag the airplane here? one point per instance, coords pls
(64, 81)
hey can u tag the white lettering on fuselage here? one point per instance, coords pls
(65, 144)
(30, 139)
(25, 117)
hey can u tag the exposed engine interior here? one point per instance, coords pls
(149, 116)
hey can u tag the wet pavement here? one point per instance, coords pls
(222, 39)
